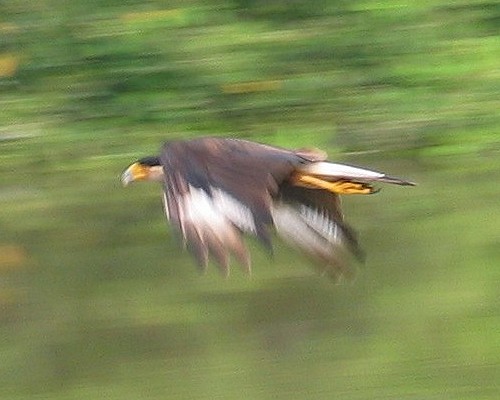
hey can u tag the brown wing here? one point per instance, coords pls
(217, 188)
(311, 219)
(328, 204)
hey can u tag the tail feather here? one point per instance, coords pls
(333, 171)
(396, 181)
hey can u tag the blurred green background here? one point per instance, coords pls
(97, 300)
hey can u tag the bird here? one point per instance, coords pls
(218, 190)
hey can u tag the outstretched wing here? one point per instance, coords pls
(215, 189)
(312, 220)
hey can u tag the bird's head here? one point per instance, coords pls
(145, 169)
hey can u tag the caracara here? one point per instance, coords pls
(216, 189)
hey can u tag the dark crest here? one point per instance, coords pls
(150, 161)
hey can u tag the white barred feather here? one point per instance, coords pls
(315, 233)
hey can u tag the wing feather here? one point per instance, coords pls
(317, 235)
(312, 220)
(217, 189)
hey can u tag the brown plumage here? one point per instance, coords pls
(217, 189)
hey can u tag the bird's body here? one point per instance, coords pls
(216, 189)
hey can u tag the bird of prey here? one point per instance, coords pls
(217, 189)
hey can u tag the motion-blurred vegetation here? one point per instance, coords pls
(96, 298)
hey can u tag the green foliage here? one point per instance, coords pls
(96, 297)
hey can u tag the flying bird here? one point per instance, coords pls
(215, 190)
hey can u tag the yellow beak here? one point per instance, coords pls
(135, 172)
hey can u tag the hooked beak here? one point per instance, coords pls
(134, 172)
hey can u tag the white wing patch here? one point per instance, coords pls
(211, 224)
(315, 233)
(318, 220)
(216, 210)
(304, 227)
(239, 214)
(201, 210)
